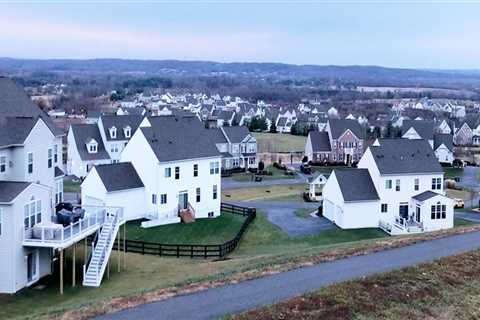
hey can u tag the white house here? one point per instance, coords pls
(315, 186)
(179, 166)
(237, 146)
(443, 147)
(398, 186)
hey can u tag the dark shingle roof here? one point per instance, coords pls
(443, 138)
(356, 185)
(120, 122)
(405, 156)
(83, 133)
(422, 127)
(9, 190)
(282, 121)
(236, 134)
(178, 138)
(119, 176)
(14, 130)
(320, 141)
(59, 172)
(339, 126)
(425, 195)
(14, 102)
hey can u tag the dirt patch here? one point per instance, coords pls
(120, 303)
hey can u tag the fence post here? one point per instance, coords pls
(143, 248)
(220, 251)
(191, 251)
(160, 249)
(178, 251)
(205, 252)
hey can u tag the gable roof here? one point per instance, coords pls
(84, 133)
(120, 122)
(179, 138)
(405, 156)
(443, 138)
(9, 190)
(15, 130)
(356, 185)
(422, 127)
(320, 141)
(339, 126)
(425, 195)
(119, 176)
(14, 102)
(236, 134)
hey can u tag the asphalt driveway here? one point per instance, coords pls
(217, 302)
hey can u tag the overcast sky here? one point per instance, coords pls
(441, 34)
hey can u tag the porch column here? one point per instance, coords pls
(118, 250)
(124, 246)
(61, 271)
(85, 251)
(73, 265)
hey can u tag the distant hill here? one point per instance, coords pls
(359, 75)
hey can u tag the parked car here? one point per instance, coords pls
(459, 203)
(305, 168)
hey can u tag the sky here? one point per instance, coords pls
(398, 33)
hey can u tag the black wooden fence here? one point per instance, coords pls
(195, 250)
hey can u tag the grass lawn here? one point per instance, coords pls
(276, 174)
(451, 173)
(446, 289)
(203, 231)
(292, 192)
(70, 186)
(279, 142)
(461, 223)
(303, 213)
(326, 169)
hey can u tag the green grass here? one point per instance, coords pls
(303, 213)
(291, 192)
(276, 174)
(279, 142)
(202, 231)
(458, 222)
(451, 173)
(70, 186)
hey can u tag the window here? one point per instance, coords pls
(195, 170)
(154, 199)
(58, 191)
(33, 213)
(210, 214)
(3, 164)
(235, 163)
(55, 153)
(50, 158)
(388, 184)
(163, 198)
(198, 194)
(215, 167)
(444, 211)
(113, 132)
(127, 131)
(30, 162)
(177, 173)
(92, 148)
(416, 184)
(251, 160)
(168, 172)
(114, 148)
(397, 185)
(215, 192)
(384, 207)
(438, 211)
(436, 183)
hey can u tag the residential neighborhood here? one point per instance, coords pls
(243, 161)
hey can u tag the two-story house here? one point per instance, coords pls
(237, 146)
(179, 169)
(398, 186)
(341, 142)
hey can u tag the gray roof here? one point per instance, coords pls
(59, 172)
(339, 126)
(14, 130)
(119, 176)
(9, 190)
(320, 141)
(236, 134)
(356, 185)
(443, 138)
(316, 175)
(120, 122)
(282, 121)
(217, 136)
(405, 156)
(14, 102)
(425, 195)
(222, 114)
(422, 127)
(179, 138)
(83, 133)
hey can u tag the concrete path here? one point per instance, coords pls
(235, 298)
(282, 214)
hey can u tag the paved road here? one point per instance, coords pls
(282, 214)
(469, 216)
(216, 302)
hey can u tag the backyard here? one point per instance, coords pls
(276, 174)
(451, 173)
(279, 142)
(292, 192)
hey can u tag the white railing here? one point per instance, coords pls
(56, 234)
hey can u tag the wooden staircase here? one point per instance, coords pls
(187, 215)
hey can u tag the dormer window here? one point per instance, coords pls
(113, 132)
(92, 146)
(127, 131)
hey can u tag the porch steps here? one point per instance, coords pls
(187, 216)
(101, 252)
